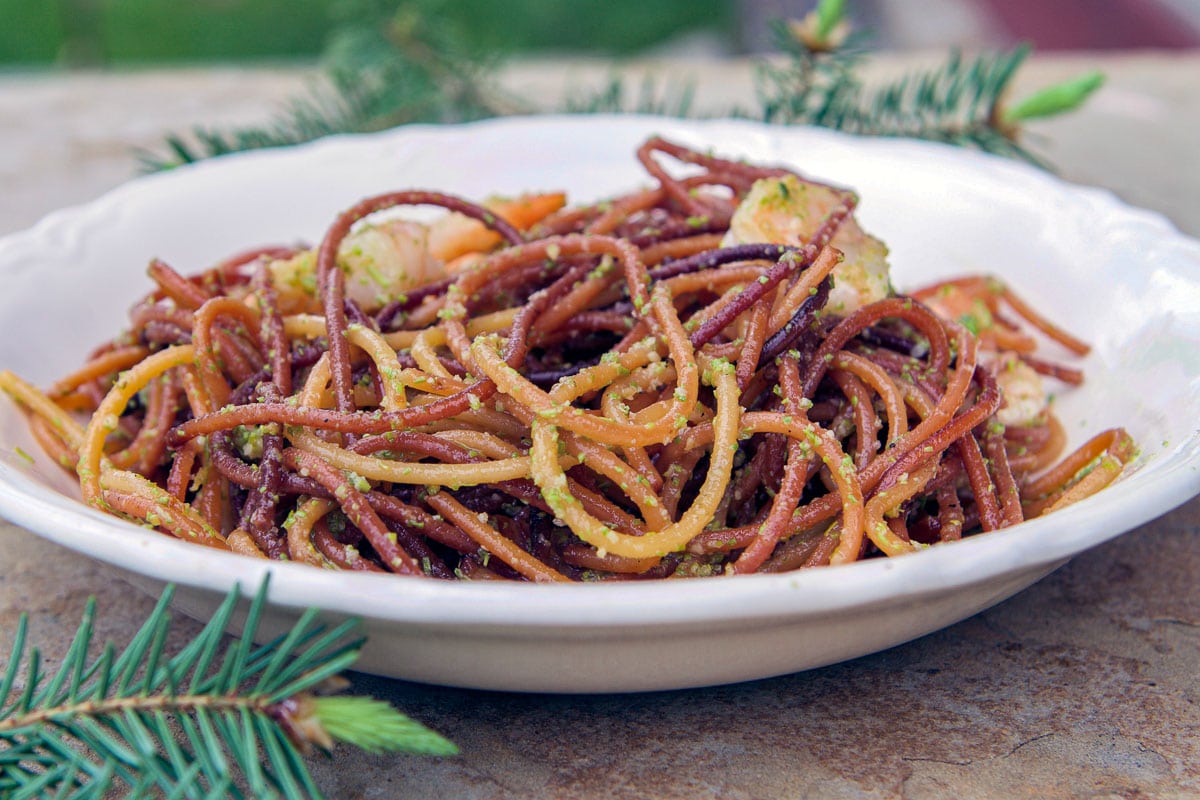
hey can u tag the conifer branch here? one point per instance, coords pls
(389, 66)
(617, 96)
(959, 102)
(216, 719)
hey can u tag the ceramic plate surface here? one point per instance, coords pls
(1119, 277)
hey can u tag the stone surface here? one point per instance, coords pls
(1083, 686)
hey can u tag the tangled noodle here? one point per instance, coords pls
(642, 388)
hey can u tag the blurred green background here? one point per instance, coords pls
(102, 32)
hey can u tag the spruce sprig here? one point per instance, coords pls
(651, 97)
(384, 65)
(217, 719)
(958, 102)
(389, 65)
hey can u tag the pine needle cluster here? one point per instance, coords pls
(388, 66)
(383, 66)
(958, 102)
(217, 719)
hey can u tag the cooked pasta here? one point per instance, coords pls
(709, 376)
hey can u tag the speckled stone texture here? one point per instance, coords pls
(1084, 686)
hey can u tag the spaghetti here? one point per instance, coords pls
(709, 376)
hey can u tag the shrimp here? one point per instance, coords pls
(786, 210)
(1025, 398)
(383, 260)
(982, 303)
(975, 302)
(456, 235)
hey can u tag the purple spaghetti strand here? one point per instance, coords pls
(788, 264)
(710, 259)
(385, 318)
(800, 322)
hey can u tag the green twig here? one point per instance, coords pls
(216, 719)
(389, 66)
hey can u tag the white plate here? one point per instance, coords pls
(1120, 277)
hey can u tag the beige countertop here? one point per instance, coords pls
(1085, 685)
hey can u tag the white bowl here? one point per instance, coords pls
(1120, 277)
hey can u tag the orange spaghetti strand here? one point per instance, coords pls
(493, 541)
(1103, 456)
